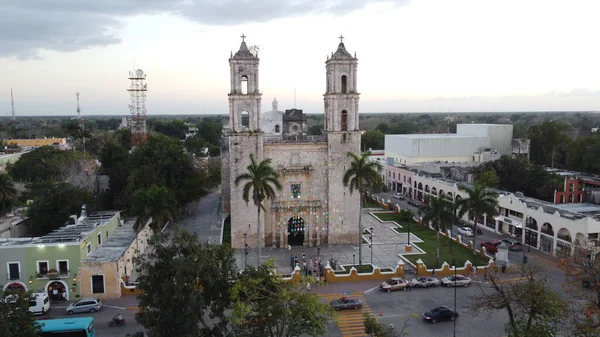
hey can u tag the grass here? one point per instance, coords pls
(371, 204)
(461, 254)
(227, 231)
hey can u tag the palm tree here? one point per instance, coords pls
(363, 175)
(8, 193)
(480, 201)
(438, 212)
(262, 179)
(156, 203)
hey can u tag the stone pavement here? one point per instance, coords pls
(206, 219)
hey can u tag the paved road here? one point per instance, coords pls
(102, 318)
(205, 221)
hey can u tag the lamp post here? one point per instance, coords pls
(353, 260)
(371, 247)
(245, 251)
(454, 321)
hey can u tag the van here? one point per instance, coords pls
(39, 303)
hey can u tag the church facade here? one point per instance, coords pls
(313, 208)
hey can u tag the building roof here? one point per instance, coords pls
(244, 53)
(115, 246)
(65, 234)
(341, 53)
(432, 136)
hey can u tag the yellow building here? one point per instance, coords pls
(36, 142)
(104, 269)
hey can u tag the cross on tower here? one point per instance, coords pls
(341, 39)
(243, 37)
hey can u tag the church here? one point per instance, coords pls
(313, 208)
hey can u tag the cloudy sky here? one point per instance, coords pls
(414, 56)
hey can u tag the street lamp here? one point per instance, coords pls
(354, 260)
(245, 251)
(371, 247)
(454, 263)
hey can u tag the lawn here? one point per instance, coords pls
(461, 254)
(371, 204)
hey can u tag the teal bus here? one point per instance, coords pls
(68, 327)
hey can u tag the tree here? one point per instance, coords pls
(548, 140)
(488, 178)
(266, 305)
(534, 309)
(362, 176)
(479, 201)
(373, 139)
(8, 193)
(114, 159)
(439, 213)
(44, 163)
(52, 209)
(156, 203)
(582, 286)
(262, 180)
(183, 282)
(374, 328)
(15, 318)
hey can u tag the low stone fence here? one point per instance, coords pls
(350, 274)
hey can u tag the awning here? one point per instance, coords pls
(509, 221)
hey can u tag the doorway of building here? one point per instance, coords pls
(296, 231)
(57, 291)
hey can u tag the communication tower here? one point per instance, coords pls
(137, 107)
(12, 103)
(80, 122)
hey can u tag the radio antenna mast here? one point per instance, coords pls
(12, 103)
(80, 122)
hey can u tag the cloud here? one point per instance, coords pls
(29, 26)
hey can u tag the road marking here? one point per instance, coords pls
(374, 288)
(351, 322)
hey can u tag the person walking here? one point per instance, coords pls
(308, 286)
(292, 260)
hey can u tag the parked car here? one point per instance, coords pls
(84, 305)
(398, 196)
(470, 225)
(512, 244)
(439, 314)
(346, 303)
(461, 281)
(466, 231)
(39, 303)
(395, 283)
(491, 246)
(424, 282)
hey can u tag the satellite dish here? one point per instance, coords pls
(139, 73)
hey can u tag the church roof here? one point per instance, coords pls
(341, 53)
(244, 53)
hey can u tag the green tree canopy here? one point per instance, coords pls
(43, 164)
(548, 141)
(155, 202)
(175, 128)
(373, 139)
(8, 193)
(185, 283)
(15, 318)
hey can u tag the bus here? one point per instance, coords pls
(68, 327)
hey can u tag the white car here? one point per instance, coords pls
(456, 281)
(466, 231)
(398, 196)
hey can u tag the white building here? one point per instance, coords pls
(272, 121)
(473, 143)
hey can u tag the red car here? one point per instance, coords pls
(491, 246)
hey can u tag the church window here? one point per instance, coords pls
(570, 198)
(344, 84)
(245, 119)
(344, 120)
(244, 84)
(277, 128)
(296, 191)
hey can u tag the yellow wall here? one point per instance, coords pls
(354, 276)
(136, 248)
(112, 287)
(36, 142)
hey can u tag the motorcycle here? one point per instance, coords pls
(115, 322)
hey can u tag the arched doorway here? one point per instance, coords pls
(296, 231)
(57, 291)
(15, 285)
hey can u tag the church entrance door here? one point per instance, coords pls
(296, 231)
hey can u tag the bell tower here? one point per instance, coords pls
(244, 97)
(341, 95)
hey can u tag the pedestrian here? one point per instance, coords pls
(308, 286)
(292, 260)
(304, 264)
(303, 255)
(319, 251)
(290, 248)
(315, 262)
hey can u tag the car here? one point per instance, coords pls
(466, 231)
(395, 283)
(512, 244)
(458, 281)
(439, 314)
(424, 282)
(398, 196)
(345, 303)
(491, 246)
(84, 305)
(470, 225)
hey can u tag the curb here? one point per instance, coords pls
(132, 308)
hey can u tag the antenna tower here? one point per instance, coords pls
(80, 122)
(12, 103)
(137, 107)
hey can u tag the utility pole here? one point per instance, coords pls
(12, 103)
(80, 122)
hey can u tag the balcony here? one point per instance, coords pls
(53, 274)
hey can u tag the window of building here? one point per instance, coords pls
(244, 84)
(515, 213)
(97, 284)
(389, 174)
(99, 238)
(245, 119)
(344, 120)
(394, 174)
(296, 191)
(62, 266)
(571, 187)
(581, 198)
(277, 128)
(14, 270)
(344, 84)
(570, 198)
(88, 248)
(42, 268)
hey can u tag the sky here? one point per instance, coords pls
(414, 56)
